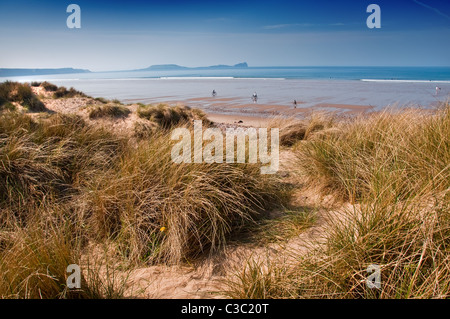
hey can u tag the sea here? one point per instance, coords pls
(377, 87)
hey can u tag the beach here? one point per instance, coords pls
(232, 103)
(345, 90)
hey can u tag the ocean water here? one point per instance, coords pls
(338, 73)
(377, 87)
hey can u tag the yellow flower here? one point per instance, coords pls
(163, 229)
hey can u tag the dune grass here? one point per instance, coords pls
(293, 130)
(109, 111)
(395, 166)
(105, 101)
(393, 153)
(144, 129)
(49, 87)
(34, 260)
(197, 204)
(63, 92)
(5, 105)
(65, 184)
(44, 164)
(52, 157)
(167, 116)
(101, 100)
(21, 93)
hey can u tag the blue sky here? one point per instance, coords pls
(118, 35)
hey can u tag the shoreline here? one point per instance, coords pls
(236, 107)
(274, 96)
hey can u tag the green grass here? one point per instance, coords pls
(105, 101)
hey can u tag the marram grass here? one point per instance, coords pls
(395, 166)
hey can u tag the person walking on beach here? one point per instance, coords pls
(295, 104)
(437, 90)
(255, 97)
(214, 93)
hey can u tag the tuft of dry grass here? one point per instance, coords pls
(197, 204)
(7, 106)
(63, 92)
(51, 157)
(34, 260)
(143, 130)
(394, 154)
(259, 278)
(109, 111)
(21, 93)
(49, 87)
(101, 100)
(167, 116)
(293, 130)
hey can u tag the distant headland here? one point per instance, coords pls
(5, 72)
(166, 67)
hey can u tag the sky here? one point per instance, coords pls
(119, 35)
